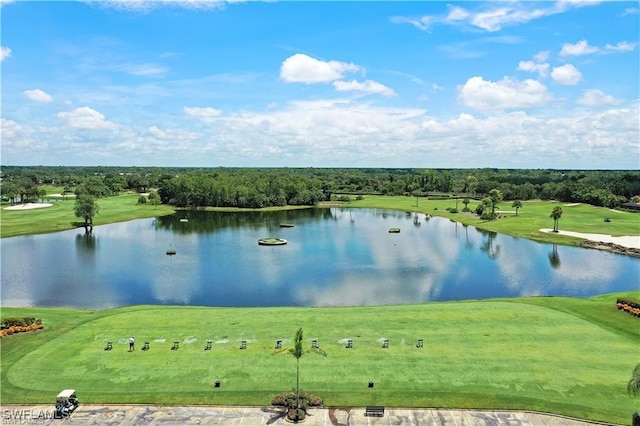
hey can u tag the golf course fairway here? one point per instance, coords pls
(560, 355)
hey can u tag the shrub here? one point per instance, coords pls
(488, 216)
(142, 199)
(19, 321)
(343, 198)
(289, 400)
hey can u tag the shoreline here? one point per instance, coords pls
(622, 244)
(629, 245)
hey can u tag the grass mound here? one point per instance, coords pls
(561, 355)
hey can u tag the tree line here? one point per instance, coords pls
(264, 187)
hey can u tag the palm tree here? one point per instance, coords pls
(297, 351)
(517, 204)
(556, 214)
(633, 387)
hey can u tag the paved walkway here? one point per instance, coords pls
(253, 416)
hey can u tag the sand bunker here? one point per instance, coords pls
(626, 241)
(28, 206)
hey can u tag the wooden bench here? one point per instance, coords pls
(175, 346)
(109, 346)
(349, 344)
(385, 344)
(146, 346)
(374, 410)
(243, 345)
(208, 347)
(420, 343)
(278, 344)
(314, 344)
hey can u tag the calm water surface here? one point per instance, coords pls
(333, 257)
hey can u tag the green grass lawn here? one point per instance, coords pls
(562, 355)
(60, 216)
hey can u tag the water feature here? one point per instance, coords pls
(333, 257)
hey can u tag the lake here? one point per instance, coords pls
(334, 256)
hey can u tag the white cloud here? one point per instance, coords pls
(456, 13)
(16, 140)
(580, 48)
(343, 132)
(541, 69)
(143, 70)
(623, 46)
(85, 118)
(492, 16)
(38, 96)
(301, 68)
(499, 17)
(630, 11)
(206, 114)
(583, 48)
(367, 86)
(566, 74)
(541, 56)
(172, 135)
(504, 94)
(10, 129)
(5, 53)
(423, 23)
(595, 97)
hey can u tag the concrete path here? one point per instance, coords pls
(254, 416)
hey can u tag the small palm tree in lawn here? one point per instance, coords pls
(556, 214)
(297, 351)
(517, 204)
(633, 387)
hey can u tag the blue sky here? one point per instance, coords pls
(321, 84)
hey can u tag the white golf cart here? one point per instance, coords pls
(66, 402)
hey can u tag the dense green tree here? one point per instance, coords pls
(472, 183)
(86, 208)
(94, 186)
(495, 195)
(10, 191)
(154, 199)
(487, 205)
(182, 186)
